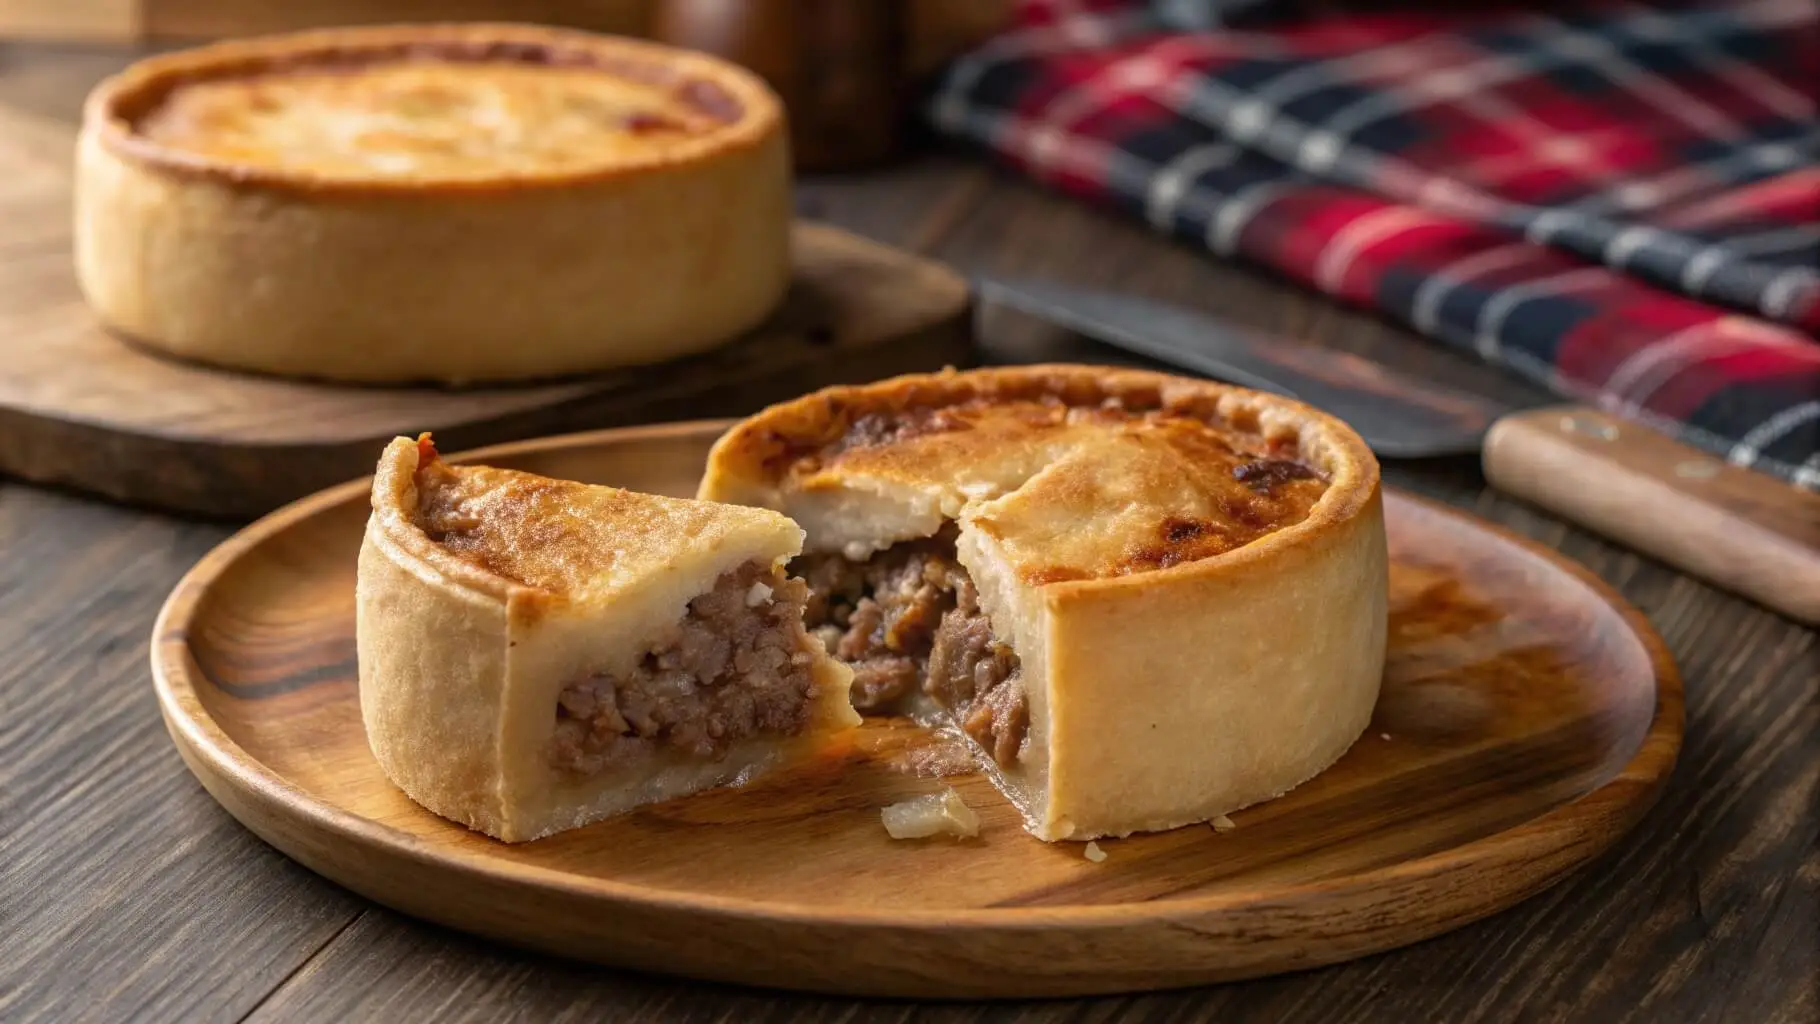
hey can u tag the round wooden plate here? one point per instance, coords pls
(1528, 718)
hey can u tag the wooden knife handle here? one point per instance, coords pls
(1735, 528)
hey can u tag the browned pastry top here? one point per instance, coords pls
(1078, 472)
(572, 541)
(432, 104)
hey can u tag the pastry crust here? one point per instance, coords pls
(473, 229)
(1194, 633)
(464, 647)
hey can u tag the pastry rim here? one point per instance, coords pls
(395, 522)
(760, 116)
(1353, 476)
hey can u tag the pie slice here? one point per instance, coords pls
(1148, 600)
(537, 654)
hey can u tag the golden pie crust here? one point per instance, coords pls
(447, 203)
(1192, 576)
(484, 593)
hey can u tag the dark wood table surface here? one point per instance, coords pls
(126, 893)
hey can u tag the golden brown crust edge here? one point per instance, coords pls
(1174, 695)
(1264, 673)
(105, 111)
(406, 587)
(393, 502)
(743, 459)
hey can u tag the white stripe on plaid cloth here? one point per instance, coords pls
(1426, 309)
(1750, 449)
(1747, 161)
(1172, 181)
(1800, 236)
(1351, 241)
(1200, 15)
(1487, 340)
(1638, 377)
(964, 74)
(1224, 230)
(1808, 473)
(1780, 294)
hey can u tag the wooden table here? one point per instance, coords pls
(125, 892)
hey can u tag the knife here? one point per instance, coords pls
(1736, 528)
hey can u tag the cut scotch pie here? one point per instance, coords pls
(537, 654)
(444, 202)
(1148, 600)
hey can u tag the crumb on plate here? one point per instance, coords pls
(931, 814)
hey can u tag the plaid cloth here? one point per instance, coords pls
(1621, 202)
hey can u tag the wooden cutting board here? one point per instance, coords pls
(80, 408)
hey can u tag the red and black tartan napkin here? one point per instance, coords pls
(1619, 201)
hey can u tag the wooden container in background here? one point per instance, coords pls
(144, 21)
(840, 66)
(937, 29)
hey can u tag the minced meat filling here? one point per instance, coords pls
(736, 666)
(909, 617)
(972, 673)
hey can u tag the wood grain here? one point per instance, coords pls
(208, 19)
(1747, 532)
(841, 68)
(81, 409)
(114, 20)
(1527, 720)
(120, 893)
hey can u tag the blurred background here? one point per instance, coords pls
(838, 63)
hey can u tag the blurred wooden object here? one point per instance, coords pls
(839, 66)
(141, 21)
(1742, 530)
(937, 30)
(83, 20)
(940, 29)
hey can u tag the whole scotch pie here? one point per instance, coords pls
(537, 654)
(432, 202)
(1147, 600)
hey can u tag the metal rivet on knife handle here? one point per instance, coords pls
(1590, 427)
(1697, 469)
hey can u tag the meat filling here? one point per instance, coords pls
(909, 618)
(736, 666)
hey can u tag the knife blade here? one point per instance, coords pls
(1734, 527)
(1398, 416)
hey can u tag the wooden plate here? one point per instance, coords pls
(1528, 718)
